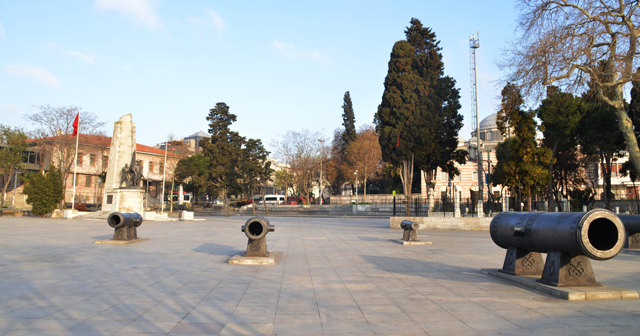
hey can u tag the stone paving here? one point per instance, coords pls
(334, 276)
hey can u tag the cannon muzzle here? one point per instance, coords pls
(407, 225)
(598, 234)
(125, 224)
(256, 229)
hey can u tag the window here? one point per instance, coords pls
(151, 167)
(161, 167)
(456, 178)
(444, 177)
(87, 181)
(474, 176)
(79, 160)
(92, 160)
(105, 161)
(489, 136)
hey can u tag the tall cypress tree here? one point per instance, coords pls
(224, 150)
(348, 121)
(418, 119)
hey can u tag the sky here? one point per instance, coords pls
(278, 65)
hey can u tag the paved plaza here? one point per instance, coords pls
(334, 276)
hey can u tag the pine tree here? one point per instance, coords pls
(348, 121)
(224, 150)
(418, 119)
(44, 192)
(520, 161)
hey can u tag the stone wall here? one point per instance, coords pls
(445, 223)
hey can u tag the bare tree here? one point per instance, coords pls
(52, 132)
(563, 41)
(364, 155)
(301, 151)
(13, 143)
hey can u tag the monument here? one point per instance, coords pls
(123, 190)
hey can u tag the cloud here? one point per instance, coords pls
(39, 74)
(88, 58)
(2, 33)
(141, 10)
(289, 51)
(9, 108)
(212, 19)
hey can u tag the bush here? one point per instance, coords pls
(80, 207)
(43, 192)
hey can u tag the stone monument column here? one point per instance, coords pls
(456, 203)
(122, 190)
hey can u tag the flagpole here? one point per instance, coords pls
(75, 167)
(164, 173)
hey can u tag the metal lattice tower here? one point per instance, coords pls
(474, 43)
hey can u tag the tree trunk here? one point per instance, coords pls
(606, 179)
(553, 155)
(253, 201)
(407, 179)
(226, 200)
(529, 199)
(364, 182)
(264, 201)
(4, 189)
(626, 127)
(171, 198)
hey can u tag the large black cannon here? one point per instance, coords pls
(410, 232)
(632, 225)
(125, 225)
(569, 239)
(256, 229)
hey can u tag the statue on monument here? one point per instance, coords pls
(131, 176)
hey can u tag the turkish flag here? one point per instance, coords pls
(75, 125)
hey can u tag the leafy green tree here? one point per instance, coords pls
(634, 105)
(440, 121)
(628, 170)
(224, 150)
(599, 132)
(560, 114)
(193, 171)
(348, 121)
(520, 161)
(254, 168)
(13, 143)
(418, 119)
(44, 191)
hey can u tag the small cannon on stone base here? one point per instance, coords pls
(632, 225)
(569, 239)
(256, 229)
(125, 225)
(410, 230)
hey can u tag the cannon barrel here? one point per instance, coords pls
(128, 219)
(598, 234)
(408, 225)
(631, 223)
(256, 229)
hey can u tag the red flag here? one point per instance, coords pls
(75, 125)
(398, 144)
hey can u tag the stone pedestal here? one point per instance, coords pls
(122, 189)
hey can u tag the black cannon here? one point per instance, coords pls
(569, 239)
(256, 229)
(126, 224)
(632, 225)
(410, 230)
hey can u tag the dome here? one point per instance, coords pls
(489, 122)
(461, 139)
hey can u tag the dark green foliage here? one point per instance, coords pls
(193, 170)
(44, 192)
(418, 118)
(560, 114)
(634, 106)
(348, 121)
(14, 143)
(599, 133)
(224, 150)
(520, 161)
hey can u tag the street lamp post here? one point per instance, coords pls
(321, 154)
(356, 174)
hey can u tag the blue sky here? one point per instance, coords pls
(278, 65)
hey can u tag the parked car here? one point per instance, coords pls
(274, 199)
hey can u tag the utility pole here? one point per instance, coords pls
(474, 43)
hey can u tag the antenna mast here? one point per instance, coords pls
(474, 43)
